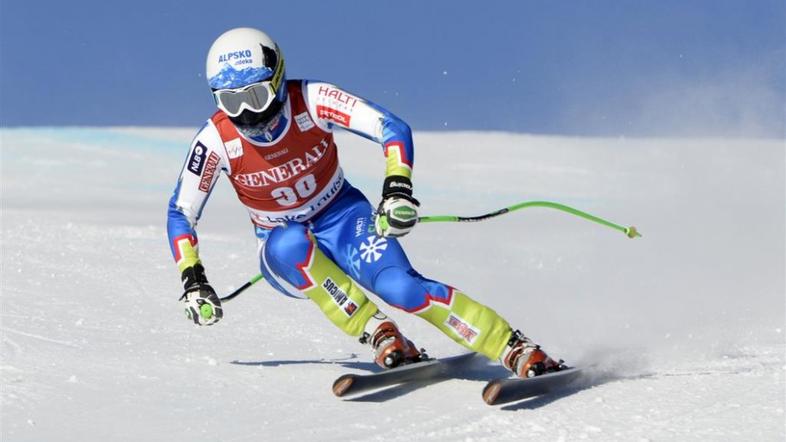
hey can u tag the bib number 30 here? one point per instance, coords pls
(288, 196)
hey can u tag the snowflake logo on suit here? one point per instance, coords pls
(371, 249)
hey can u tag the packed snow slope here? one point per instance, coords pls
(683, 328)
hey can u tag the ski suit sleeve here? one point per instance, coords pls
(206, 157)
(330, 106)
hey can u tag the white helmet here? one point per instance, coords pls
(245, 70)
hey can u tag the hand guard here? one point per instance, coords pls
(397, 214)
(202, 304)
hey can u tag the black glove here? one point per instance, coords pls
(397, 213)
(202, 304)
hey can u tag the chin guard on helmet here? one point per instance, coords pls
(249, 118)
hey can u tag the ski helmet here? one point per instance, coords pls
(245, 70)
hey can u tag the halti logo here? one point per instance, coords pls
(236, 55)
(360, 226)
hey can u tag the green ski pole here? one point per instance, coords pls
(243, 287)
(630, 232)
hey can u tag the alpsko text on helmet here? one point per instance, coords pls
(236, 55)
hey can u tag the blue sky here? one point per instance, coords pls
(623, 68)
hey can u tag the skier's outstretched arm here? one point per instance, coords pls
(205, 159)
(331, 106)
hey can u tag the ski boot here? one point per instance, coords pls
(390, 347)
(525, 359)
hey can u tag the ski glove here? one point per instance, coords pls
(397, 214)
(202, 304)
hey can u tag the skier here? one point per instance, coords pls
(318, 236)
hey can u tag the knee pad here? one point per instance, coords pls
(287, 249)
(291, 253)
(288, 244)
(407, 289)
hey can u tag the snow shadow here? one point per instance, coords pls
(476, 370)
(616, 364)
(348, 362)
(589, 380)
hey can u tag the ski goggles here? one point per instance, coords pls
(254, 97)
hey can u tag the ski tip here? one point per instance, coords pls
(343, 384)
(491, 392)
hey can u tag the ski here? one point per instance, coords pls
(500, 391)
(428, 370)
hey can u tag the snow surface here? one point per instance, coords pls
(684, 327)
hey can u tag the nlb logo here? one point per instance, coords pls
(236, 55)
(197, 159)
